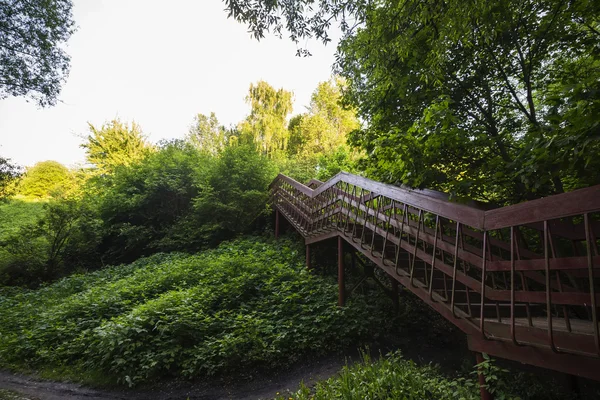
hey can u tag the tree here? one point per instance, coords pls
(45, 179)
(302, 19)
(266, 126)
(326, 124)
(115, 144)
(32, 60)
(488, 100)
(207, 135)
(474, 97)
(9, 173)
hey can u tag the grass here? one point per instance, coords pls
(10, 395)
(250, 304)
(393, 377)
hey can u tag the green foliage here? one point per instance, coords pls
(247, 303)
(115, 144)
(10, 395)
(45, 179)
(326, 124)
(33, 62)
(391, 377)
(490, 100)
(207, 135)
(317, 146)
(235, 193)
(9, 174)
(266, 126)
(494, 101)
(179, 198)
(144, 206)
(339, 159)
(18, 212)
(302, 19)
(61, 240)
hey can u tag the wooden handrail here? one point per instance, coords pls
(557, 206)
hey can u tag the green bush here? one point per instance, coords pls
(180, 199)
(248, 303)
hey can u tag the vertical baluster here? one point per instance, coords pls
(464, 267)
(404, 212)
(325, 204)
(513, 333)
(344, 194)
(332, 221)
(365, 217)
(315, 212)
(524, 285)
(375, 222)
(590, 244)
(458, 228)
(387, 230)
(548, 289)
(352, 197)
(483, 272)
(446, 297)
(412, 264)
(494, 286)
(339, 196)
(559, 282)
(433, 258)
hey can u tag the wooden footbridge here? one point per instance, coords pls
(520, 281)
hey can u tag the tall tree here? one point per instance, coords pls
(33, 62)
(326, 124)
(115, 144)
(266, 125)
(207, 134)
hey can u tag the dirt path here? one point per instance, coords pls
(263, 387)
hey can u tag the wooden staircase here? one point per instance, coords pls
(520, 281)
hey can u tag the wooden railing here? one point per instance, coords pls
(525, 274)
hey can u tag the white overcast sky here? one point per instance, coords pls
(158, 63)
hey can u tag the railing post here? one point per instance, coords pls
(341, 281)
(485, 395)
(308, 265)
(276, 224)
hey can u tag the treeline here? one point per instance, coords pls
(135, 198)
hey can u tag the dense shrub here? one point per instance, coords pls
(181, 199)
(139, 204)
(247, 303)
(62, 239)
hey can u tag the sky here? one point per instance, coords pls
(159, 64)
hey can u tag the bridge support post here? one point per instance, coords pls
(276, 224)
(308, 265)
(485, 395)
(341, 280)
